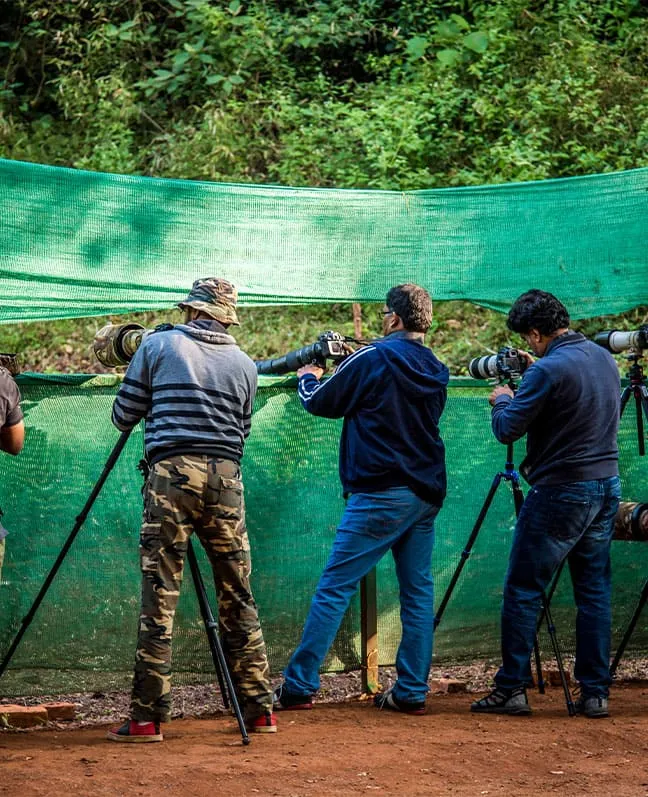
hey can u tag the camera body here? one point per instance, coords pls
(616, 340)
(328, 346)
(508, 363)
(331, 346)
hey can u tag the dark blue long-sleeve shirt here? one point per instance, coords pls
(568, 406)
(391, 394)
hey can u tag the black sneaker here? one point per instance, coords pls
(593, 706)
(283, 700)
(390, 701)
(503, 701)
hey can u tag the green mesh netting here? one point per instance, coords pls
(83, 636)
(75, 243)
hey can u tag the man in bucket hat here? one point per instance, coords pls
(215, 297)
(195, 388)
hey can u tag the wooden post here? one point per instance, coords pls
(369, 633)
(368, 596)
(357, 320)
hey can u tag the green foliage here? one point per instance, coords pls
(460, 332)
(377, 94)
(374, 93)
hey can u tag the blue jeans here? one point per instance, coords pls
(372, 524)
(575, 521)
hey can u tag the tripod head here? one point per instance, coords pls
(635, 370)
(638, 389)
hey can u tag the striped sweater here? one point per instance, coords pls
(194, 387)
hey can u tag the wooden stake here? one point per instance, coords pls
(369, 634)
(357, 320)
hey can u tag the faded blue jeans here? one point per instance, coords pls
(573, 521)
(372, 524)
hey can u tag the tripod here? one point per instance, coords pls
(638, 389)
(510, 475)
(226, 685)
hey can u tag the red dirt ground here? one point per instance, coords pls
(349, 749)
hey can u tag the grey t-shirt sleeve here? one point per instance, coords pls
(10, 412)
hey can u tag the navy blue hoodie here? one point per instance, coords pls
(391, 395)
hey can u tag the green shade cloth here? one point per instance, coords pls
(76, 243)
(83, 636)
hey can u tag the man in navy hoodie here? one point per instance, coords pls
(568, 406)
(391, 394)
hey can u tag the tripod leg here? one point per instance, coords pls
(554, 583)
(110, 463)
(551, 592)
(639, 402)
(518, 500)
(643, 400)
(211, 626)
(541, 617)
(625, 397)
(538, 665)
(208, 618)
(468, 548)
(551, 628)
(628, 632)
(518, 495)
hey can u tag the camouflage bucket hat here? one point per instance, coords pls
(216, 297)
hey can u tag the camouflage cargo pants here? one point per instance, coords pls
(202, 494)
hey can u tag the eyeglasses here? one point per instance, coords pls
(387, 312)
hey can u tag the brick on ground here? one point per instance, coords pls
(22, 716)
(447, 686)
(552, 678)
(60, 712)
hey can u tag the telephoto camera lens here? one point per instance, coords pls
(483, 367)
(506, 363)
(631, 522)
(616, 340)
(329, 345)
(115, 344)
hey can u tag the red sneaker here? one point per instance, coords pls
(266, 723)
(132, 731)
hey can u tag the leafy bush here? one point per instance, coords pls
(374, 94)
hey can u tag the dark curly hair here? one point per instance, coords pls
(413, 304)
(539, 310)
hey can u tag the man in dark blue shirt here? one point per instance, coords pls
(568, 406)
(391, 394)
